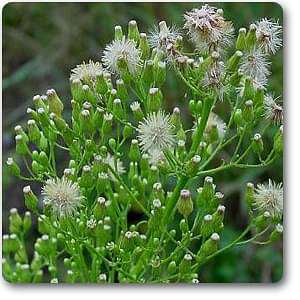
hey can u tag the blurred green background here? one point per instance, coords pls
(42, 42)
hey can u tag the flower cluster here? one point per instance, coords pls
(126, 152)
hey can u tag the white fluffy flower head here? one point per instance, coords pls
(155, 132)
(256, 65)
(121, 49)
(62, 195)
(268, 34)
(208, 29)
(269, 197)
(86, 71)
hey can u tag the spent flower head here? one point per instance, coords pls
(208, 29)
(273, 111)
(62, 195)
(121, 49)
(268, 34)
(269, 197)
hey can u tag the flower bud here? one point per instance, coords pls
(175, 119)
(144, 46)
(144, 165)
(137, 111)
(98, 117)
(160, 73)
(193, 107)
(112, 144)
(250, 195)
(277, 233)
(148, 74)
(27, 221)
(15, 221)
(248, 89)
(248, 112)
(33, 131)
(185, 203)
(39, 103)
(118, 109)
(133, 31)
(31, 201)
(102, 182)
(121, 90)
(107, 124)
(278, 141)
(172, 268)
(238, 118)
(193, 165)
(134, 152)
(12, 166)
(236, 77)
(209, 247)
(251, 37)
(86, 179)
(118, 33)
(154, 99)
(259, 96)
(55, 104)
(127, 131)
(257, 144)
(241, 40)
(21, 145)
(101, 85)
(234, 61)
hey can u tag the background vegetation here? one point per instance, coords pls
(42, 42)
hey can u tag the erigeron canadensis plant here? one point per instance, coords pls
(124, 148)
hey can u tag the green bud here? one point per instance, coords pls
(27, 221)
(262, 221)
(86, 179)
(55, 104)
(98, 117)
(21, 145)
(185, 203)
(153, 175)
(88, 94)
(250, 195)
(127, 132)
(43, 118)
(118, 109)
(278, 141)
(192, 165)
(236, 77)
(257, 144)
(185, 264)
(251, 37)
(184, 226)
(144, 46)
(154, 99)
(238, 117)
(172, 267)
(15, 221)
(160, 73)
(241, 40)
(102, 182)
(43, 159)
(123, 69)
(36, 167)
(234, 61)
(137, 111)
(276, 233)
(118, 33)
(248, 89)
(217, 218)
(208, 190)
(13, 168)
(133, 31)
(209, 247)
(33, 131)
(19, 131)
(38, 276)
(134, 152)
(33, 114)
(248, 112)
(148, 74)
(31, 201)
(39, 103)
(144, 165)
(259, 96)
(175, 119)
(77, 91)
(112, 144)
(193, 107)
(206, 228)
(107, 124)
(101, 84)
(121, 90)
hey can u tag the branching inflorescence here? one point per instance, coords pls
(125, 149)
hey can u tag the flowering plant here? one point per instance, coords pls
(125, 151)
